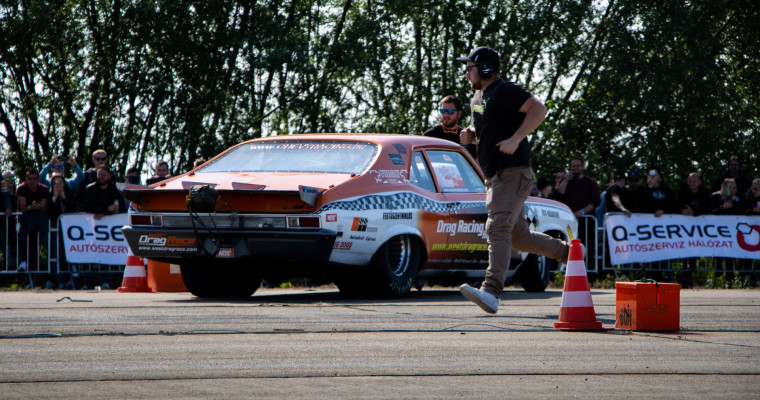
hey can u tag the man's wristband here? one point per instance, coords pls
(582, 212)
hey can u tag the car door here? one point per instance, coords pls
(465, 194)
(434, 215)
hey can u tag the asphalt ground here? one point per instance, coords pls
(312, 343)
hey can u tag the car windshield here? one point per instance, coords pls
(330, 157)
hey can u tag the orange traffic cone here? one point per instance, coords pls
(576, 313)
(135, 279)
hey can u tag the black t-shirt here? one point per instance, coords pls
(699, 202)
(39, 195)
(626, 197)
(438, 132)
(657, 198)
(97, 200)
(496, 117)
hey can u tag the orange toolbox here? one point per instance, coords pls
(648, 306)
(163, 277)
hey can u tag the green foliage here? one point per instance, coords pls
(558, 280)
(715, 280)
(628, 83)
(606, 282)
(43, 255)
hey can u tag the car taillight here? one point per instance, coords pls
(154, 220)
(303, 222)
(139, 220)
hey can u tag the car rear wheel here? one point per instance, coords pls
(211, 278)
(391, 272)
(534, 272)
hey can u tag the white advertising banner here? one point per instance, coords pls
(88, 240)
(644, 238)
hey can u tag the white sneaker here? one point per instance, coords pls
(488, 302)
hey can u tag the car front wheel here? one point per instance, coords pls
(215, 279)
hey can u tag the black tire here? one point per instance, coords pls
(222, 280)
(391, 272)
(534, 272)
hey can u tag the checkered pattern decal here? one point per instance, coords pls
(398, 201)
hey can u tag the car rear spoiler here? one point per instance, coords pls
(308, 194)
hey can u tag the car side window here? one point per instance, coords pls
(419, 174)
(454, 173)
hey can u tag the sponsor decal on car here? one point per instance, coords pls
(331, 218)
(549, 213)
(309, 146)
(391, 176)
(461, 227)
(162, 240)
(469, 247)
(398, 215)
(166, 243)
(364, 238)
(360, 224)
(342, 245)
(226, 253)
(396, 159)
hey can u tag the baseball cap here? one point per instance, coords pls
(482, 54)
(618, 174)
(634, 173)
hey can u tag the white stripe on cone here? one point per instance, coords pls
(576, 299)
(576, 268)
(134, 272)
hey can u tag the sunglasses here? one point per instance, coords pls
(467, 68)
(59, 166)
(447, 110)
(99, 158)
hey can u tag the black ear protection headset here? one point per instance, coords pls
(484, 70)
(488, 66)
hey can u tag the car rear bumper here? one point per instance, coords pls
(312, 245)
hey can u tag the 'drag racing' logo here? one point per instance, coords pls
(747, 234)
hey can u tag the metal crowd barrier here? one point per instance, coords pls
(46, 256)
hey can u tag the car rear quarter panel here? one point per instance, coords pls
(369, 209)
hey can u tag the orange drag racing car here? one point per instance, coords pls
(374, 213)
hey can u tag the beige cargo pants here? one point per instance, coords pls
(506, 226)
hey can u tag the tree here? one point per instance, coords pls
(627, 83)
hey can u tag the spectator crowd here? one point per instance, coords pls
(60, 187)
(733, 193)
